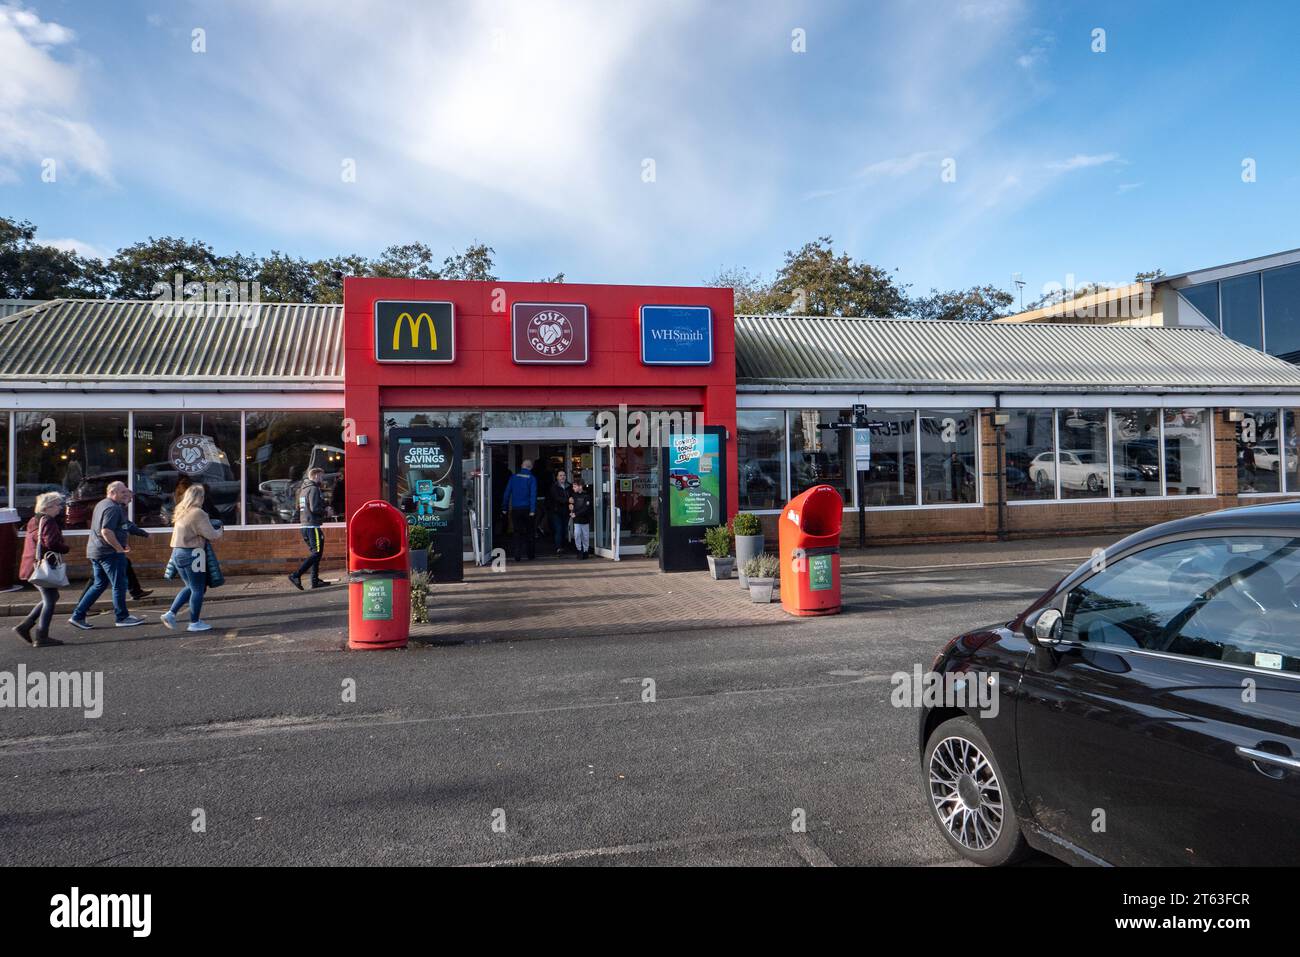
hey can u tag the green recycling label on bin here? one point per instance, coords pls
(820, 572)
(377, 599)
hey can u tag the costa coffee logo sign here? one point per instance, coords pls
(547, 333)
(189, 454)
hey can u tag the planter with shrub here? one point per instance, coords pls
(417, 543)
(717, 541)
(749, 541)
(761, 573)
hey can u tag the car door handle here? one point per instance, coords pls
(1268, 757)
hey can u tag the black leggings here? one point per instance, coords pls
(43, 611)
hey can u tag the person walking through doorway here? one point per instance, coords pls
(191, 532)
(107, 550)
(44, 534)
(580, 509)
(557, 506)
(311, 513)
(521, 504)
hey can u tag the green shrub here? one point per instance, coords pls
(718, 541)
(420, 598)
(746, 523)
(762, 566)
(418, 537)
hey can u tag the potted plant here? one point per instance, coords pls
(717, 540)
(749, 541)
(761, 572)
(417, 543)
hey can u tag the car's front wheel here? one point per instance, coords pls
(968, 796)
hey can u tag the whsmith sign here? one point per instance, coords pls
(415, 331)
(676, 335)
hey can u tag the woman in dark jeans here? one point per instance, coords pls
(45, 529)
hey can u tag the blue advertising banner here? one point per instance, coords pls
(676, 335)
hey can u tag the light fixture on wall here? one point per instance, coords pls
(1001, 418)
(363, 440)
(1233, 415)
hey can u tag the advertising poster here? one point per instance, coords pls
(425, 491)
(694, 488)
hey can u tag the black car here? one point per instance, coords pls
(1148, 706)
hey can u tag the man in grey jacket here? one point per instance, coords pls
(107, 550)
(311, 514)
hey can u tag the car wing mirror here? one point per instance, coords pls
(1043, 627)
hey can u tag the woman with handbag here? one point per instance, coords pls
(192, 531)
(44, 567)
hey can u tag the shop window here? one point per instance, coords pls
(891, 480)
(76, 453)
(949, 474)
(760, 454)
(1135, 438)
(279, 448)
(1084, 453)
(182, 448)
(1030, 455)
(637, 495)
(1205, 298)
(821, 450)
(1282, 312)
(1188, 469)
(1259, 450)
(1239, 298)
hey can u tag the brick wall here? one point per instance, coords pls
(272, 550)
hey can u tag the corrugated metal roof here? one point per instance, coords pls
(863, 353)
(126, 340)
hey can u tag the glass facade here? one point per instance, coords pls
(279, 449)
(949, 470)
(891, 480)
(76, 453)
(1260, 447)
(1084, 453)
(156, 472)
(1135, 451)
(760, 453)
(1259, 309)
(821, 450)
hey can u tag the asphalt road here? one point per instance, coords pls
(248, 724)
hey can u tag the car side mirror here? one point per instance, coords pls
(1043, 627)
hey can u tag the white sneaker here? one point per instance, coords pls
(168, 619)
(199, 626)
(130, 621)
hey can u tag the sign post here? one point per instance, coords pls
(861, 465)
(424, 484)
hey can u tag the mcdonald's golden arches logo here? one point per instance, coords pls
(414, 331)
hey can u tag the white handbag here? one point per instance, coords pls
(51, 570)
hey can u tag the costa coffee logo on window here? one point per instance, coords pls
(549, 333)
(189, 454)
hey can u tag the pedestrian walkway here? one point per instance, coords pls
(560, 598)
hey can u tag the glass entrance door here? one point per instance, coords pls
(605, 535)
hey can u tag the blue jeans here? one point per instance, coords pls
(107, 572)
(196, 583)
(560, 525)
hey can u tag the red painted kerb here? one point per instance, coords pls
(484, 375)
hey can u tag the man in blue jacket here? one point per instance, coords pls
(520, 501)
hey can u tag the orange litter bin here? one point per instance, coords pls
(379, 582)
(808, 533)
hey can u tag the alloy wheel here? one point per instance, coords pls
(966, 794)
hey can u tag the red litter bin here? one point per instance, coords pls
(379, 584)
(809, 535)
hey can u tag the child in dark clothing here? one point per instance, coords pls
(580, 511)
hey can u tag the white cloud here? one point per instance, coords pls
(1126, 187)
(40, 102)
(1084, 161)
(902, 165)
(76, 246)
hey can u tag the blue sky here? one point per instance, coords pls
(527, 126)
